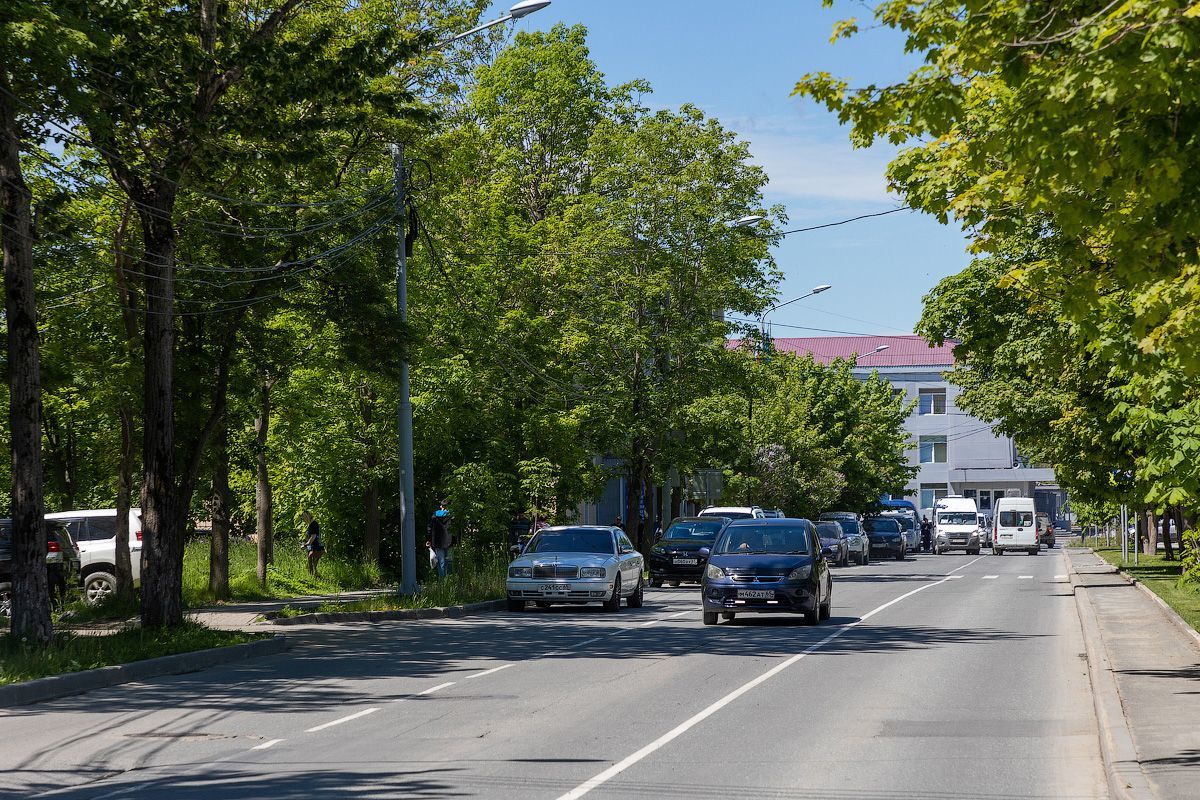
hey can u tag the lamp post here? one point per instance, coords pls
(408, 527)
(762, 319)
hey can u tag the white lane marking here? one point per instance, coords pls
(964, 566)
(990, 577)
(437, 688)
(673, 616)
(1059, 577)
(684, 727)
(955, 577)
(267, 745)
(488, 672)
(1024, 577)
(362, 713)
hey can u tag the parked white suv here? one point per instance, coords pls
(734, 512)
(95, 534)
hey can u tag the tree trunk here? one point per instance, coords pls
(1172, 515)
(30, 590)
(218, 549)
(162, 524)
(1152, 532)
(262, 491)
(676, 499)
(124, 563)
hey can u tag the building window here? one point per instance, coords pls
(931, 401)
(932, 449)
(969, 494)
(931, 493)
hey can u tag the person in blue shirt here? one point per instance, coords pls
(439, 539)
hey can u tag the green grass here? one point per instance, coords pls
(1162, 578)
(472, 581)
(20, 661)
(286, 577)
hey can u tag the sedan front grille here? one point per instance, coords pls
(555, 571)
(756, 578)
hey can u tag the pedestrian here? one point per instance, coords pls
(926, 533)
(439, 539)
(312, 543)
(518, 530)
(617, 523)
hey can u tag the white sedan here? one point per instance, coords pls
(576, 564)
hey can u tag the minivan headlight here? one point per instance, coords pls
(520, 572)
(800, 573)
(713, 572)
(592, 572)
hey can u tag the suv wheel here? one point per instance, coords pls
(97, 587)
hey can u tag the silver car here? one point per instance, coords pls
(576, 564)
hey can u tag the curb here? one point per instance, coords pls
(334, 617)
(55, 686)
(1123, 771)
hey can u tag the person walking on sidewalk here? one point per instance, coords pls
(926, 533)
(439, 540)
(313, 543)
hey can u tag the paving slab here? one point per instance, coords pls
(1156, 669)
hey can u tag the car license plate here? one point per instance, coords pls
(755, 594)
(554, 587)
(684, 562)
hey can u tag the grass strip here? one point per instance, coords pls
(67, 652)
(1161, 577)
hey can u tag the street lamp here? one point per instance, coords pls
(408, 527)
(745, 222)
(762, 319)
(879, 349)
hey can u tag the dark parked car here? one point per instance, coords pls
(62, 563)
(682, 553)
(767, 566)
(856, 538)
(833, 542)
(886, 536)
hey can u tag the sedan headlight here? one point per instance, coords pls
(592, 572)
(713, 572)
(520, 572)
(800, 573)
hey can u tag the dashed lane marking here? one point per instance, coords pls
(362, 713)
(1024, 577)
(491, 671)
(990, 577)
(267, 745)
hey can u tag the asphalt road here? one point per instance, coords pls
(938, 677)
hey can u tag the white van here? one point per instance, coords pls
(1014, 526)
(95, 534)
(956, 525)
(734, 512)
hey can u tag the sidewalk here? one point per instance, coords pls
(242, 616)
(1155, 667)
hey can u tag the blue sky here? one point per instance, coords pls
(738, 61)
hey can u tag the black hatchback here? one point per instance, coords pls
(767, 566)
(682, 553)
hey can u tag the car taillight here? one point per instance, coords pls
(138, 534)
(52, 546)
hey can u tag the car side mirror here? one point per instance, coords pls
(514, 550)
(704, 551)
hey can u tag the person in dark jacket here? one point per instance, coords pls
(439, 539)
(926, 534)
(313, 543)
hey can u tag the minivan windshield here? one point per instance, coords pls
(749, 539)
(694, 529)
(880, 525)
(958, 518)
(572, 540)
(905, 521)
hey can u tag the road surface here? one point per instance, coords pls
(938, 677)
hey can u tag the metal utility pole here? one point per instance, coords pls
(408, 529)
(1124, 535)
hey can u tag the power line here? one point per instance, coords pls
(845, 221)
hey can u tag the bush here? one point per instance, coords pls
(1190, 558)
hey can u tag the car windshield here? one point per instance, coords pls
(850, 526)
(877, 525)
(905, 522)
(747, 539)
(1015, 519)
(572, 540)
(958, 518)
(694, 529)
(829, 530)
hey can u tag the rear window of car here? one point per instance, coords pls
(572, 541)
(729, 515)
(746, 539)
(1015, 519)
(694, 529)
(102, 527)
(877, 525)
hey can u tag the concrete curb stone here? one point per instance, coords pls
(55, 686)
(1126, 780)
(334, 617)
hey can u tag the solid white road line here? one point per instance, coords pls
(684, 727)
(362, 713)
(488, 672)
(437, 688)
(964, 566)
(990, 577)
(1059, 577)
(267, 745)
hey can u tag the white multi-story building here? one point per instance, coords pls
(954, 452)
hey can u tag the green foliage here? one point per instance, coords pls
(1190, 559)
